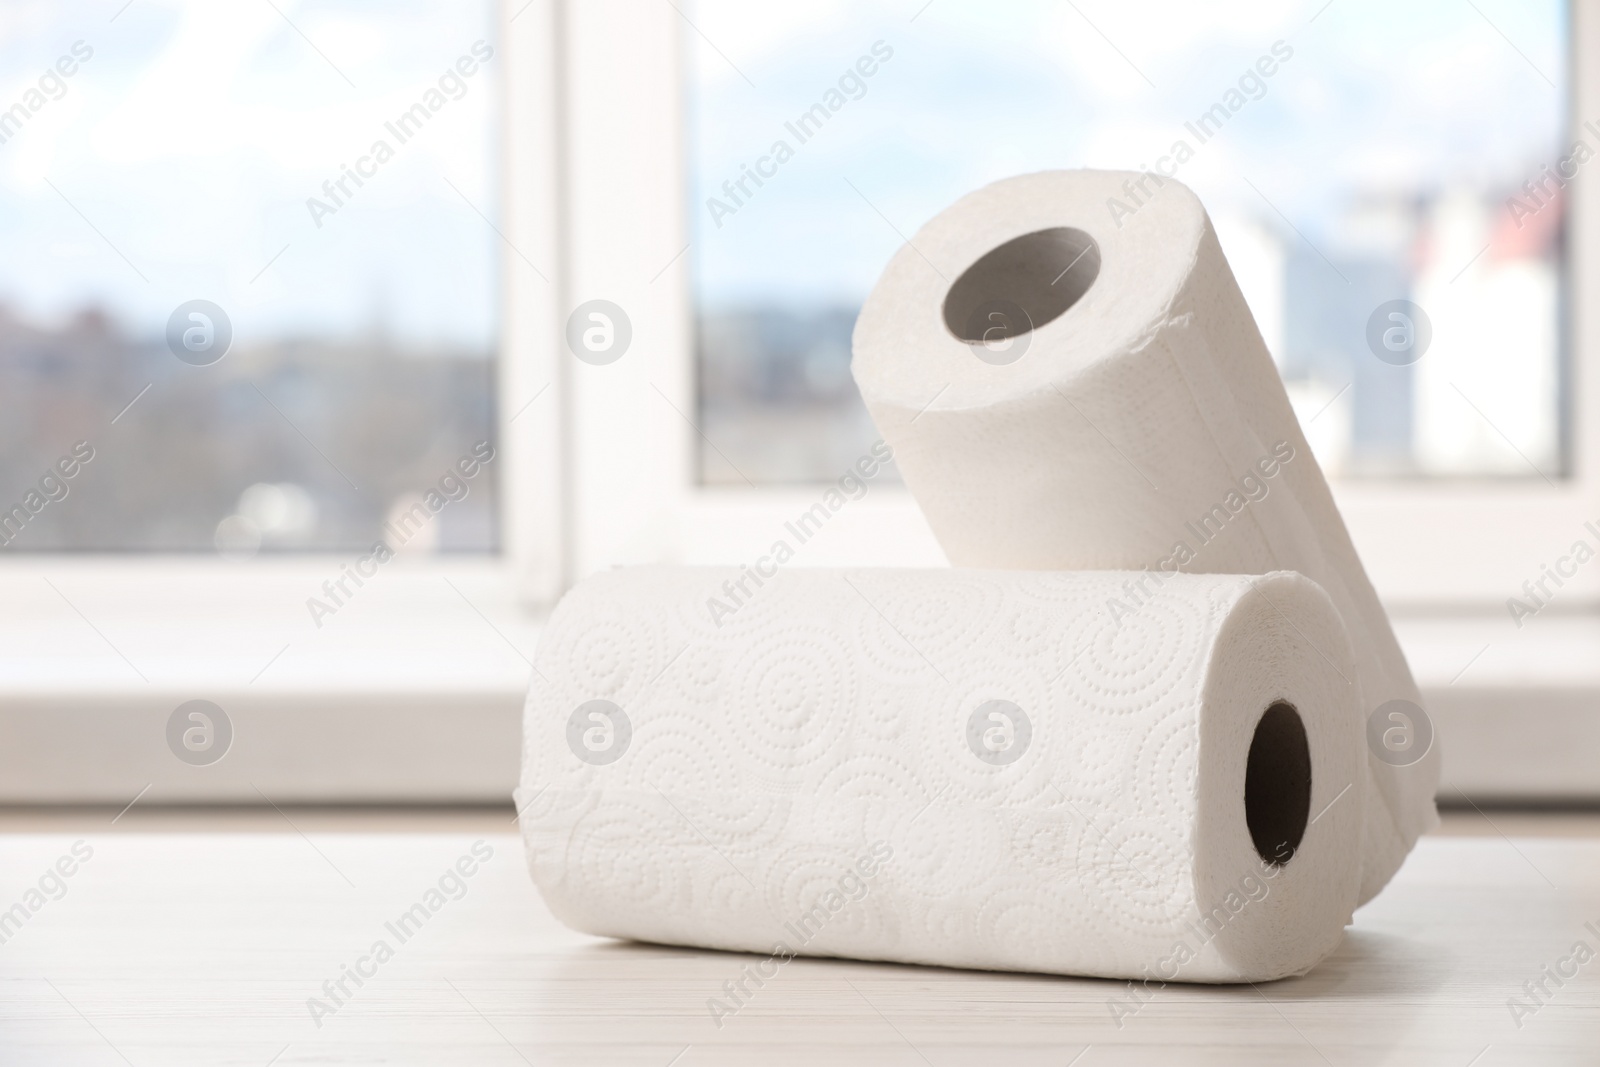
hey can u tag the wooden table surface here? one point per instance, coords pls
(172, 947)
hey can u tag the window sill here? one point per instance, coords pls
(413, 689)
(1518, 710)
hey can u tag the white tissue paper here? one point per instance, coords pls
(991, 769)
(1141, 423)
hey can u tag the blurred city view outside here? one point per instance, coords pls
(179, 161)
(1394, 153)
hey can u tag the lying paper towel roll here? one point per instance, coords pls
(991, 769)
(1139, 423)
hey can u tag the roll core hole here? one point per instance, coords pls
(1039, 274)
(1277, 784)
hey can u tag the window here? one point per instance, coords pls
(364, 196)
(1383, 160)
(186, 158)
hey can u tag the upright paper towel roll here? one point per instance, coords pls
(1140, 423)
(991, 769)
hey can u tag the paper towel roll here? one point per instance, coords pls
(1140, 423)
(991, 769)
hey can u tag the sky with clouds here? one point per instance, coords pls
(1379, 98)
(192, 138)
(194, 135)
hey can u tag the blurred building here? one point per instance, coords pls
(270, 434)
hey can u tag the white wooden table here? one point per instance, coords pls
(172, 948)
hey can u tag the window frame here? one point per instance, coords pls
(527, 441)
(597, 468)
(1458, 543)
(1511, 704)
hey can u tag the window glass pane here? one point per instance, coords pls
(1396, 152)
(320, 176)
